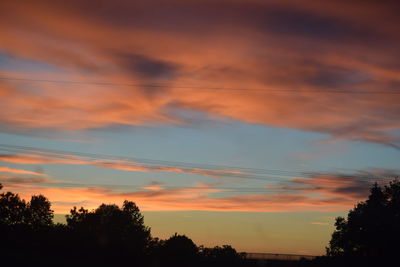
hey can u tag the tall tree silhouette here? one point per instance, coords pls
(372, 228)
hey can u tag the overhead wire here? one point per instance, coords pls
(243, 172)
(215, 89)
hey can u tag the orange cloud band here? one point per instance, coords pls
(310, 58)
(19, 171)
(318, 193)
(181, 199)
(43, 157)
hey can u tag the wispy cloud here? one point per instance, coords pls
(291, 49)
(318, 192)
(332, 192)
(44, 157)
(320, 223)
(14, 181)
(19, 171)
(181, 199)
(354, 186)
(154, 186)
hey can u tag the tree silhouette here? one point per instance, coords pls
(111, 221)
(110, 230)
(12, 209)
(179, 250)
(221, 256)
(26, 229)
(39, 213)
(15, 211)
(106, 236)
(372, 228)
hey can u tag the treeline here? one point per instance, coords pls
(116, 236)
(107, 236)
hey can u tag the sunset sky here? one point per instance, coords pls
(245, 122)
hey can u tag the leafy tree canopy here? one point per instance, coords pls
(14, 210)
(179, 250)
(372, 228)
(111, 226)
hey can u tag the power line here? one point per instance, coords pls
(217, 189)
(148, 85)
(154, 161)
(172, 187)
(245, 173)
(154, 166)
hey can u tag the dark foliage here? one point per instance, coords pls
(178, 250)
(114, 236)
(222, 256)
(110, 230)
(370, 234)
(106, 236)
(372, 228)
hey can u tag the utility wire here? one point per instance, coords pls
(217, 189)
(245, 173)
(172, 86)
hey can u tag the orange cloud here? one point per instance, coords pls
(326, 192)
(138, 167)
(180, 199)
(46, 157)
(302, 54)
(19, 171)
(320, 223)
(353, 188)
(154, 186)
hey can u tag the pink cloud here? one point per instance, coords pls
(287, 48)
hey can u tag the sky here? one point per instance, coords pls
(244, 122)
